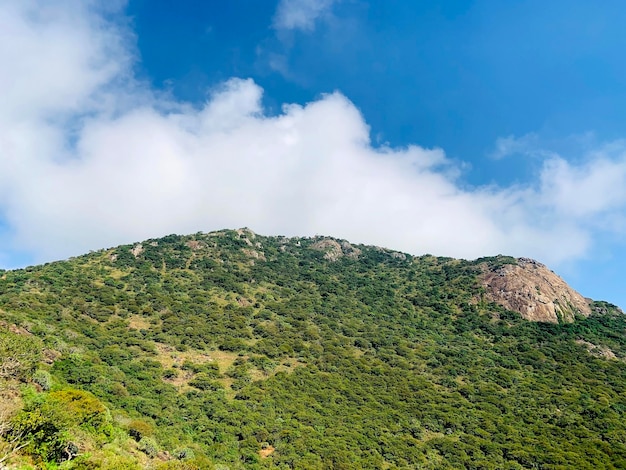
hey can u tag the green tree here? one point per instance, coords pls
(19, 354)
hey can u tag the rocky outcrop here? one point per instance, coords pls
(137, 250)
(530, 288)
(333, 249)
(598, 351)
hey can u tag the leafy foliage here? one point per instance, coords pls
(48, 422)
(231, 349)
(19, 354)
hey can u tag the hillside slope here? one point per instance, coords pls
(233, 349)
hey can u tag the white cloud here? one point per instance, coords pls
(590, 189)
(300, 14)
(54, 55)
(89, 158)
(511, 145)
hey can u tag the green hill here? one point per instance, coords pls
(231, 350)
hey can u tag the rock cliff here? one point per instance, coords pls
(530, 288)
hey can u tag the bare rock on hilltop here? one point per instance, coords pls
(534, 291)
(333, 250)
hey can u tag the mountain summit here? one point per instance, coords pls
(235, 350)
(537, 293)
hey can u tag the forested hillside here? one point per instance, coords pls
(230, 350)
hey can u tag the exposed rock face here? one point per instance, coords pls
(195, 245)
(534, 291)
(333, 250)
(253, 255)
(598, 351)
(137, 250)
(246, 235)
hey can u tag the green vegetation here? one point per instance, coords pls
(235, 350)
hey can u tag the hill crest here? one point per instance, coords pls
(254, 352)
(531, 289)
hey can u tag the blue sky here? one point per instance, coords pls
(460, 128)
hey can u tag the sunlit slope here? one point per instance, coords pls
(231, 348)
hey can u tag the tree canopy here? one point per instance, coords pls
(233, 349)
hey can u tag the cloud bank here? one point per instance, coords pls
(90, 158)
